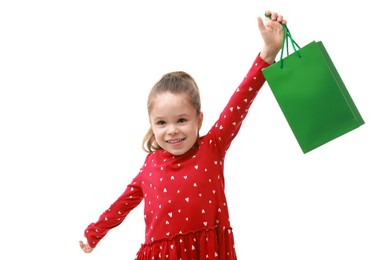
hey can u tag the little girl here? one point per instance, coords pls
(182, 179)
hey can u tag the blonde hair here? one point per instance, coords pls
(177, 82)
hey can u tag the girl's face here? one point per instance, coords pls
(174, 122)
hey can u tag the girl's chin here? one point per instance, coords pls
(178, 151)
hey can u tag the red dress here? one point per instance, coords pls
(186, 214)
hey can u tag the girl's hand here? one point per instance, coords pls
(272, 33)
(85, 247)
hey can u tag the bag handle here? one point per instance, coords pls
(285, 43)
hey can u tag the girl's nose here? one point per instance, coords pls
(173, 130)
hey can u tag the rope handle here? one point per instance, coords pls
(287, 40)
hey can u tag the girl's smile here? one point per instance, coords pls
(175, 141)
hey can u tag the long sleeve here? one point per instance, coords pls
(115, 215)
(228, 124)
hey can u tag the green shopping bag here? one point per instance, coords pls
(311, 94)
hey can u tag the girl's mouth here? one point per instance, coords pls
(175, 141)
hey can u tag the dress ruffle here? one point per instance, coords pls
(212, 243)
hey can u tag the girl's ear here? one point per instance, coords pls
(200, 120)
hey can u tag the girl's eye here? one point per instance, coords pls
(182, 120)
(161, 122)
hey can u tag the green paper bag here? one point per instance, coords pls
(311, 94)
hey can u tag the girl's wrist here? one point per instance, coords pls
(268, 56)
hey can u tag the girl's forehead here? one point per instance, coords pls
(169, 103)
(168, 97)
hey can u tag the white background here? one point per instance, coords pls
(74, 78)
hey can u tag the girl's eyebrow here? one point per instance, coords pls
(158, 119)
(178, 116)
